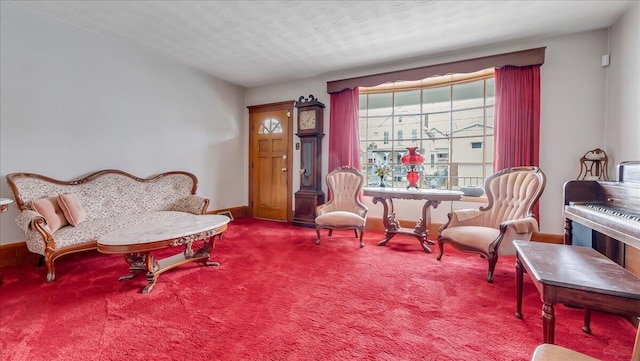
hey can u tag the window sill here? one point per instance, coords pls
(481, 199)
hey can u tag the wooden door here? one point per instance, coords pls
(270, 179)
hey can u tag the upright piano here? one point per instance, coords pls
(606, 215)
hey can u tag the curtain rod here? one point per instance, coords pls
(521, 58)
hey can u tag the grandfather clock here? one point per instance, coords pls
(310, 133)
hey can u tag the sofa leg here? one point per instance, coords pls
(51, 276)
(51, 272)
(40, 262)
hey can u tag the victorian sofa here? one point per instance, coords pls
(62, 217)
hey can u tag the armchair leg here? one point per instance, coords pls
(441, 249)
(318, 235)
(493, 260)
(360, 237)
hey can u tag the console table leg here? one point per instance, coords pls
(424, 243)
(389, 221)
(387, 237)
(548, 322)
(423, 225)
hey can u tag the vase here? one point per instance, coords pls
(412, 160)
(382, 182)
(412, 157)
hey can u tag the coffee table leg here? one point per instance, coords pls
(206, 249)
(151, 281)
(152, 275)
(519, 280)
(548, 322)
(136, 265)
(211, 244)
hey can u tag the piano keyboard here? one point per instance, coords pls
(594, 211)
(614, 212)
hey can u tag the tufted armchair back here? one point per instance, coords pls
(511, 194)
(491, 230)
(345, 185)
(344, 209)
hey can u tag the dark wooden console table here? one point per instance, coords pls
(579, 276)
(432, 198)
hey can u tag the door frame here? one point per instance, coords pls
(288, 106)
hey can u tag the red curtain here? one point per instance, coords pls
(344, 134)
(517, 126)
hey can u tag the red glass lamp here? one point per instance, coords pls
(413, 161)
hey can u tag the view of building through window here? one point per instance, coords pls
(450, 119)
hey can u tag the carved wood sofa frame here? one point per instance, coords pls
(180, 185)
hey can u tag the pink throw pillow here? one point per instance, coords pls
(72, 209)
(51, 212)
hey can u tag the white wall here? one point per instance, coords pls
(622, 141)
(74, 102)
(572, 113)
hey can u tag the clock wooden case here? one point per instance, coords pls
(310, 195)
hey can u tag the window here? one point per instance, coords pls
(443, 115)
(270, 126)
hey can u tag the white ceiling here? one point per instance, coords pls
(253, 43)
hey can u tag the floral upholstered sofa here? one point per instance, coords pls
(61, 217)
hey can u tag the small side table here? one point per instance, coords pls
(574, 275)
(4, 205)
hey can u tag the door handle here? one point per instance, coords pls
(284, 170)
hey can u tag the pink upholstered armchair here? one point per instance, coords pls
(344, 209)
(491, 230)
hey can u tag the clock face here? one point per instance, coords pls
(307, 119)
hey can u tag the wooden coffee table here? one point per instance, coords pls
(137, 242)
(577, 276)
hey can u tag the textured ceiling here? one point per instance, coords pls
(253, 43)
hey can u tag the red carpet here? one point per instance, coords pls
(278, 296)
